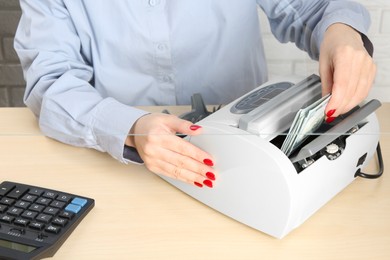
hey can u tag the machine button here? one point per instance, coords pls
(332, 148)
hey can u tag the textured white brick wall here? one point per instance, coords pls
(286, 60)
(11, 77)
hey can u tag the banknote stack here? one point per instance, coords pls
(305, 123)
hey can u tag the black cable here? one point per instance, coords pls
(381, 167)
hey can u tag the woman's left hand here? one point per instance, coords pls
(346, 69)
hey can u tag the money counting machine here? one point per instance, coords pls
(258, 184)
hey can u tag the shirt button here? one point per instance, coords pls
(167, 79)
(161, 46)
(154, 2)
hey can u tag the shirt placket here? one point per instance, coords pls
(159, 33)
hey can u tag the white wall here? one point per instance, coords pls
(286, 59)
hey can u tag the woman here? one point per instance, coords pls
(88, 63)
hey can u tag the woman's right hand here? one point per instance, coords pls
(164, 152)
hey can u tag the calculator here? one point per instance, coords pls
(35, 221)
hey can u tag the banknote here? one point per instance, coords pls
(306, 122)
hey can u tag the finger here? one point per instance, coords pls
(335, 104)
(358, 74)
(363, 86)
(183, 126)
(177, 172)
(160, 147)
(185, 148)
(189, 163)
(175, 124)
(350, 91)
(326, 75)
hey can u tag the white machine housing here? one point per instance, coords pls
(257, 183)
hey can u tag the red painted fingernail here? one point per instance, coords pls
(330, 112)
(195, 127)
(208, 183)
(211, 176)
(198, 184)
(208, 162)
(330, 119)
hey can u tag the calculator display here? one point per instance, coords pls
(17, 246)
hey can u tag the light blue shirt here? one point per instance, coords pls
(87, 63)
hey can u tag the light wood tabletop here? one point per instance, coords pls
(137, 215)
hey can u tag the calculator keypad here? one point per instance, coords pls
(33, 209)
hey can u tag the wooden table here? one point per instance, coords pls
(139, 216)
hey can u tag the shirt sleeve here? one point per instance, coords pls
(304, 22)
(59, 83)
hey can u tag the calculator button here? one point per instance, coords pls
(29, 214)
(79, 201)
(64, 198)
(51, 211)
(36, 225)
(22, 204)
(66, 214)
(37, 207)
(6, 218)
(7, 201)
(3, 208)
(14, 211)
(44, 218)
(17, 192)
(57, 204)
(53, 229)
(73, 208)
(21, 222)
(43, 201)
(60, 222)
(5, 187)
(50, 195)
(35, 191)
(29, 198)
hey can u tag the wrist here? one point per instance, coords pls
(348, 33)
(130, 138)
